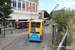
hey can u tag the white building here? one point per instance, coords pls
(22, 10)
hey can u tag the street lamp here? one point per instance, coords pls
(57, 7)
(32, 7)
(53, 10)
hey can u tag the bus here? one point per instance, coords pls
(36, 29)
(22, 24)
(46, 21)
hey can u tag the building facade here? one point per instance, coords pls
(43, 14)
(24, 10)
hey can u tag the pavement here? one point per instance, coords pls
(14, 39)
(48, 34)
(9, 28)
(9, 39)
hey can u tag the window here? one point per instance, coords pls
(19, 4)
(35, 24)
(32, 24)
(14, 4)
(34, 0)
(22, 24)
(17, 24)
(38, 24)
(23, 5)
(26, 23)
(33, 6)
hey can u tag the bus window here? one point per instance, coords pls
(38, 24)
(32, 24)
(17, 24)
(22, 24)
(44, 21)
(35, 24)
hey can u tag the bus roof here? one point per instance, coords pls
(44, 18)
(38, 20)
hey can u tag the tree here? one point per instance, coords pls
(65, 18)
(5, 8)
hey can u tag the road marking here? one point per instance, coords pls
(14, 41)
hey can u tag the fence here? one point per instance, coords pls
(2, 32)
(63, 43)
(56, 37)
(54, 34)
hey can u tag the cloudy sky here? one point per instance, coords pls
(49, 5)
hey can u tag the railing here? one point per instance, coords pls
(54, 34)
(2, 32)
(63, 43)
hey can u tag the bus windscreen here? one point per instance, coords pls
(35, 24)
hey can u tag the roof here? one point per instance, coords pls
(37, 20)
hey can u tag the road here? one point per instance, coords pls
(8, 32)
(22, 43)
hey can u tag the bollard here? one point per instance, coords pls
(11, 35)
(11, 32)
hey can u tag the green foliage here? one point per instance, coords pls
(54, 47)
(69, 48)
(49, 16)
(62, 34)
(70, 32)
(5, 8)
(65, 18)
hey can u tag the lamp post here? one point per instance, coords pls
(57, 7)
(53, 10)
(31, 10)
(32, 7)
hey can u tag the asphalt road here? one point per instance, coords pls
(8, 32)
(23, 44)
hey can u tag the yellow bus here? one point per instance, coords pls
(35, 30)
(46, 21)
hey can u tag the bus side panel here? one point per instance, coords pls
(20, 26)
(29, 29)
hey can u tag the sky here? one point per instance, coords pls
(49, 5)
